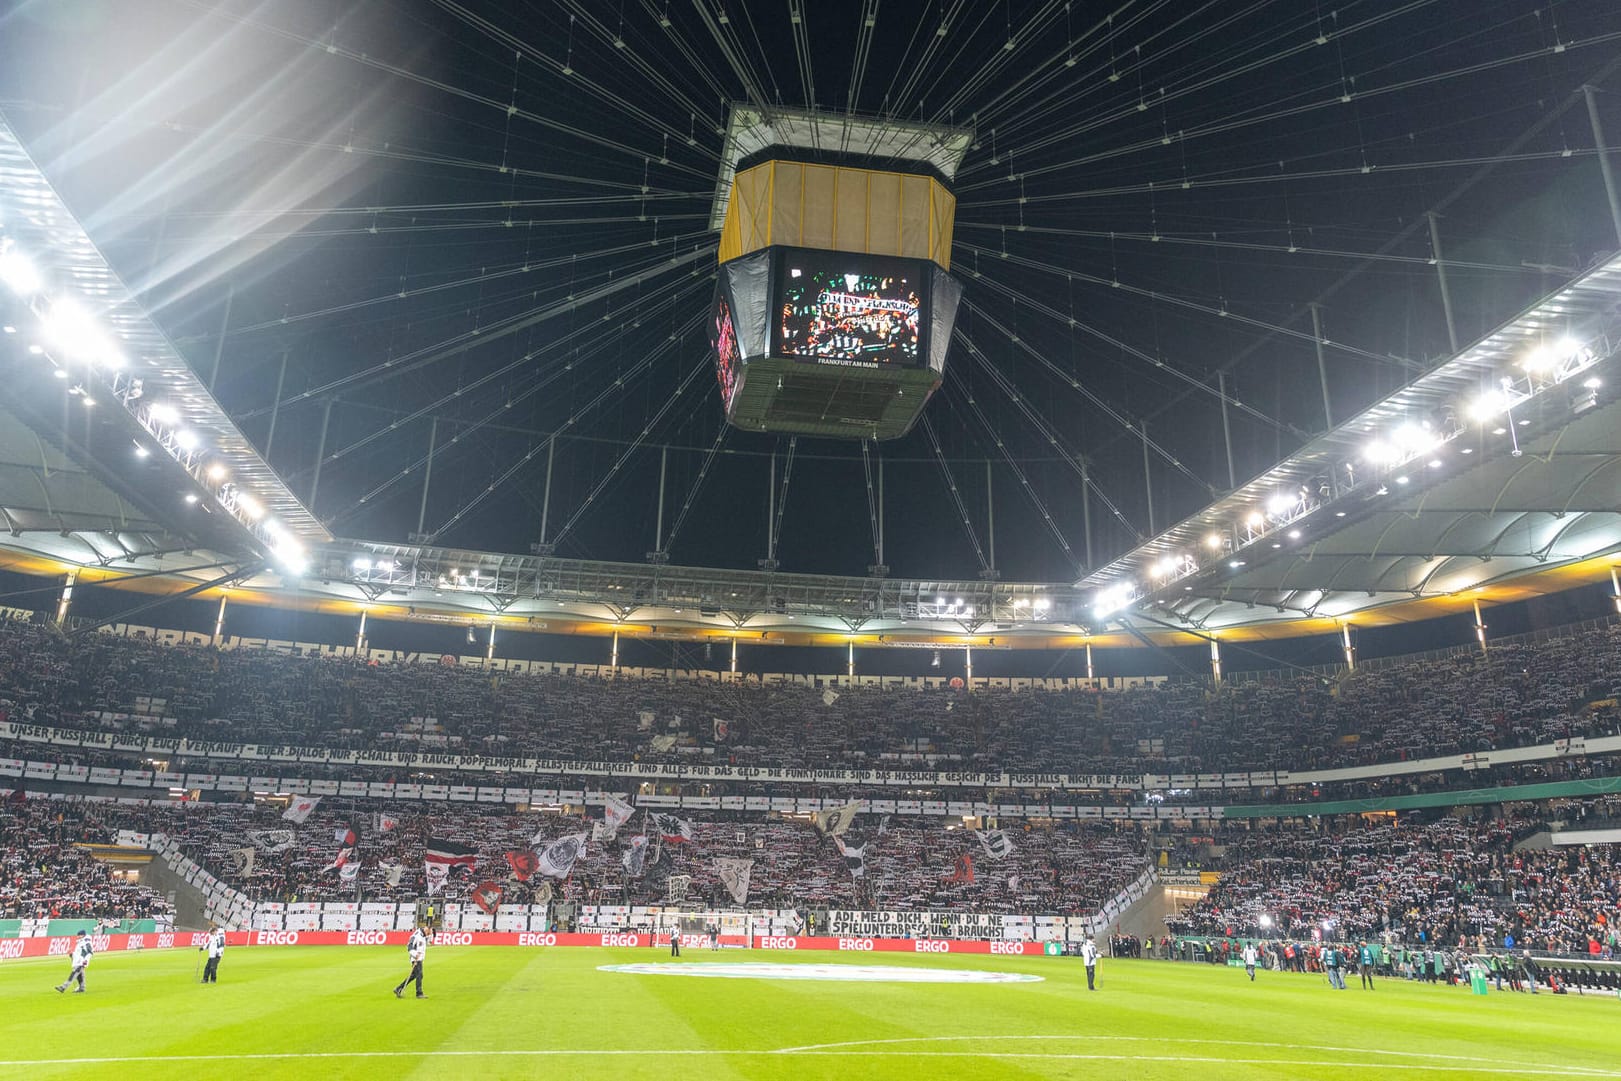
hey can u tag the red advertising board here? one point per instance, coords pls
(13, 948)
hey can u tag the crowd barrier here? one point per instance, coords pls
(62, 945)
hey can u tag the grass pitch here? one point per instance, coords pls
(328, 1012)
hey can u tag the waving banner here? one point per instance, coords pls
(272, 840)
(557, 859)
(734, 875)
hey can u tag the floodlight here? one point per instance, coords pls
(1489, 404)
(217, 472)
(1213, 541)
(1541, 358)
(1412, 438)
(1279, 505)
(187, 439)
(18, 272)
(362, 564)
(163, 413)
(249, 505)
(1378, 452)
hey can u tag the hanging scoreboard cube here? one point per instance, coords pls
(834, 305)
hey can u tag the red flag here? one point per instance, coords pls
(17, 796)
(964, 871)
(487, 896)
(523, 863)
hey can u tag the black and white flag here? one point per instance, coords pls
(242, 861)
(272, 840)
(557, 859)
(996, 843)
(837, 820)
(855, 857)
(672, 828)
(634, 858)
(734, 875)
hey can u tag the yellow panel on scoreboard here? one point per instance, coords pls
(838, 207)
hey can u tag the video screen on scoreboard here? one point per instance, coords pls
(859, 310)
(727, 360)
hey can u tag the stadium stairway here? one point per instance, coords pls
(1146, 917)
(189, 902)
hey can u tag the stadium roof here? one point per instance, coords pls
(80, 322)
(438, 285)
(1424, 493)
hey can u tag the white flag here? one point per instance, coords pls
(829, 697)
(349, 871)
(437, 874)
(676, 888)
(615, 811)
(661, 744)
(385, 822)
(644, 720)
(603, 832)
(996, 843)
(300, 808)
(734, 875)
(396, 871)
(557, 859)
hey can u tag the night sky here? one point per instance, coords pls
(409, 200)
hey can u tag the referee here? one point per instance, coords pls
(417, 950)
(216, 950)
(83, 950)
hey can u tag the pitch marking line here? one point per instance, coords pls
(1569, 1068)
(850, 1049)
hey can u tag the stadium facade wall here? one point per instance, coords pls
(171, 637)
(678, 771)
